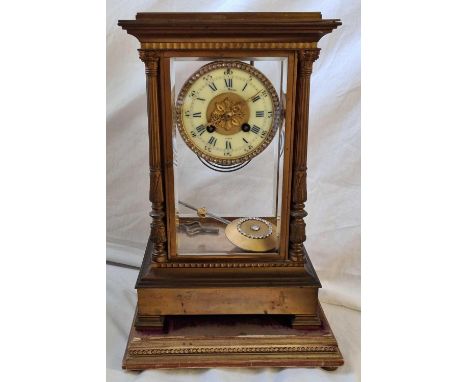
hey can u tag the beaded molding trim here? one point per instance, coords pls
(238, 349)
(228, 265)
(227, 45)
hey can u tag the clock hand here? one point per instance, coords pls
(250, 98)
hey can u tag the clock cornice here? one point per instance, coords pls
(267, 30)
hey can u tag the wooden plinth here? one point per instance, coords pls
(232, 341)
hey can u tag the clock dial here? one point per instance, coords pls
(228, 112)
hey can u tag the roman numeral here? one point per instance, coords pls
(228, 82)
(256, 98)
(201, 99)
(245, 140)
(228, 145)
(195, 115)
(269, 114)
(255, 129)
(259, 114)
(212, 86)
(200, 129)
(212, 141)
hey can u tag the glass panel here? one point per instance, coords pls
(228, 157)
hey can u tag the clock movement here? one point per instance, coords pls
(226, 280)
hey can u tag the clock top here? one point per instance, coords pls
(298, 29)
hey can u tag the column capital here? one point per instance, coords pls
(151, 59)
(306, 59)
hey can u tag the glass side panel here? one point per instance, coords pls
(217, 121)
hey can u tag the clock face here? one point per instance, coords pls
(228, 112)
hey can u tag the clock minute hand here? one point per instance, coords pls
(202, 212)
(250, 98)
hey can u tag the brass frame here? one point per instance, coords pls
(282, 253)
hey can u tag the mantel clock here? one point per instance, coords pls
(227, 102)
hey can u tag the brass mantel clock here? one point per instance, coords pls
(226, 280)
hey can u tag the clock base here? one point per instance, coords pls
(214, 290)
(232, 341)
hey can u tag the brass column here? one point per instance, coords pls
(297, 234)
(156, 195)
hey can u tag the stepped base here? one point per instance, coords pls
(232, 341)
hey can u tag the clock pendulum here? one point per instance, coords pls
(250, 233)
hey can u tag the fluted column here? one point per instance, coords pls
(297, 225)
(156, 195)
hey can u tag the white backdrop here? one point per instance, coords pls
(333, 223)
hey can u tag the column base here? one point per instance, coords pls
(154, 322)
